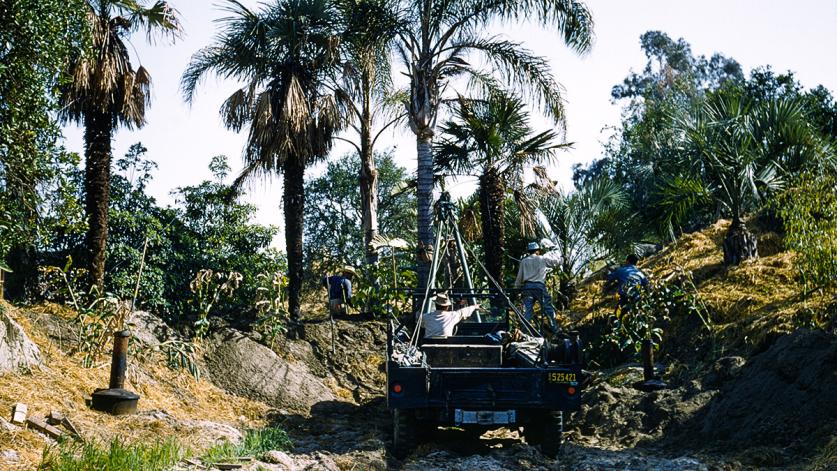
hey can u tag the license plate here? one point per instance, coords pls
(484, 417)
(562, 378)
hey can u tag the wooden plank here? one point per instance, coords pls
(228, 465)
(44, 427)
(19, 412)
(70, 426)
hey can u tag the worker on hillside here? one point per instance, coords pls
(340, 290)
(628, 280)
(531, 277)
(442, 321)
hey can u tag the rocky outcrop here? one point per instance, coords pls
(16, 349)
(249, 369)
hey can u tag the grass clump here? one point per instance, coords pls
(118, 456)
(255, 443)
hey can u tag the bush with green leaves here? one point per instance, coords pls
(209, 289)
(271, 305)
(649, 309)
(808, 210)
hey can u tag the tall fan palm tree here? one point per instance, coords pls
(443, 35)
(366, 88)
(285, 53)
(493, 138)
(104, 92)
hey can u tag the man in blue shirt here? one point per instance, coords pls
(626, 279)
(340, 290)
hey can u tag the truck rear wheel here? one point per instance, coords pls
(404, 429)
(553, 432)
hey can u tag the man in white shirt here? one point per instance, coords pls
(442, 321)
(531, 276)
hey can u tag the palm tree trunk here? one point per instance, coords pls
(98, 129)
(368, 177)
(739, 244)
(293, 201)
(424, 172)
(491, 194)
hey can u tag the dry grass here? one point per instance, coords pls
(747, 303)
(62, 384)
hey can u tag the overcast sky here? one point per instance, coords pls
(800, 36)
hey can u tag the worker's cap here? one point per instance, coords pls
(533, 246)
(349, 269)
(442, 300)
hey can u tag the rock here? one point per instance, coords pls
(728, 367)
(148, 329)
(246, 368)
(280, 458)
(16, 349)
(60, 330)
(9, 456)
(8, 426)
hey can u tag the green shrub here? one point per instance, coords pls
(809, 214)
(118, 456)
(255, 443)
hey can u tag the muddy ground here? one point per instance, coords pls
(777, 410)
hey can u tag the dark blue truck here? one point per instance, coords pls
(481, 379)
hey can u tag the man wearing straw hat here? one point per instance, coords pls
(442, 321)
(340, 290)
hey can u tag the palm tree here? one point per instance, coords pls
(582, 225)
(285, 53)
(494, 139)
(441, 38)
(104, 91)
(736, 152)
(365, 86)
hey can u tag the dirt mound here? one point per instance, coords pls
(785, 397)
(357, 361)
(616, 414)
(16, 350)
(242, 366)
(776, 409)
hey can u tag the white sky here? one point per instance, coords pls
(800, 36)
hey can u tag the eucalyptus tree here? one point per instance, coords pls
(445, 39)
(493, 139)
(366, 88)
(104, 92)
(735, 153)
(285, 53)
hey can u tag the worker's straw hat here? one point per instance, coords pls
(349, 269)
(442, 300)
(533, 246)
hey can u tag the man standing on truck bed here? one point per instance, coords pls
(339, 290)
(531, 277)
(442, 321)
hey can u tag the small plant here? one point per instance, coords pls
(271, 305)
(118, 456)
(181, 355)
(381, 300)
(209, 288)
(98, 316)
(256, 442)
(648, 309)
